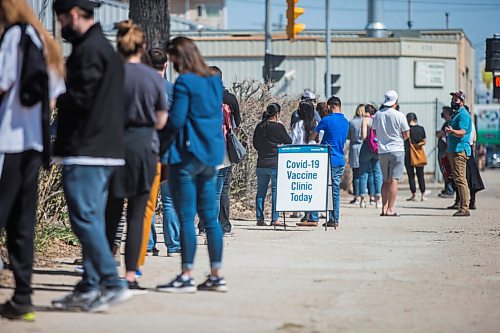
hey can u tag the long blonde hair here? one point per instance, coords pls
(130, 38)
(18, 11)
(360, 111)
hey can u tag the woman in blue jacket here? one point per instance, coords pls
(194, 136)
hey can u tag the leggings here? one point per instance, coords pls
(411, 178)
(135, 218)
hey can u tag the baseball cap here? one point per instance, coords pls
(459, 94)
(391, 97)
(64, 6)
(308, 95)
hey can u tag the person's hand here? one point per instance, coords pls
(448, 129)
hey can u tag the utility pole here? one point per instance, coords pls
(410, 21)
(268, 28)
(328, 76)
(447, 20)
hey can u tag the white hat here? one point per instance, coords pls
(308, 95)
(391, 97)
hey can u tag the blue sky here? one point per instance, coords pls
(480, 19)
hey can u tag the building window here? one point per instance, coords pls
(212, 10)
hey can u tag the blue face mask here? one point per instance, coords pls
(455, 106)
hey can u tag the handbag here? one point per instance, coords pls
(417, 156)
(235, 149)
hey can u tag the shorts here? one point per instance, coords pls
(392, 165)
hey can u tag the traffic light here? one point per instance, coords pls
(292, 13)
(334, 88)
(269, 71)
(496, 86)
(492, 54)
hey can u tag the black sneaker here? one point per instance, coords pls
(135, 289)
(76, 300)
(12, 310)
(330, 224)
(213, 283)
(178, 286)
(108, 298)
(153, 252)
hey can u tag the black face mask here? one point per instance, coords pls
(455, 106)
(68, 33)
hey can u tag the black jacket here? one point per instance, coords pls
(91, 113)
(266, 139)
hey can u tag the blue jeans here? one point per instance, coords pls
(171, 224)
(337, 172)
(264, 175)
(369, 167)
(86, 191)
(355, 181)
(221, 178)
(152, 234)
(193, 188)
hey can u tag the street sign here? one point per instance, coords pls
(302, 178)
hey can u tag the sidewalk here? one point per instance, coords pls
(422, 272)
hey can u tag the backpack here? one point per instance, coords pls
(372, 140)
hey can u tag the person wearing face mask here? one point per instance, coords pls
(90, 144)
(459, 149)
(268, 134)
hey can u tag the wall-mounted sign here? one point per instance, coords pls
(429, 74)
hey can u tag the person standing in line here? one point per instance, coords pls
(323, 110)
(301, 134)
(145, 112)
(355, 142)
(90, 142)
(171, 225)
(268, 135)
(417, 138)
(459, 149)
(195, 141)
(392, 130)
(225, 172)
(446, 114)
(24, 141)
(335, 127)
(369, 163)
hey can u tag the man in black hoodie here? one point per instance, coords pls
(90, 144)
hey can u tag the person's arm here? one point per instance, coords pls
(284, 137)
(9, 59)
(406, 135)
(256, 139)
(364, 128)
(84, 83)
(459, 133)
(161, 105)
(178, 114)
(231, 100)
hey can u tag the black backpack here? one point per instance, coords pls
(34, 84)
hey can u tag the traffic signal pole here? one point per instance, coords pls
(268, 28)
(328, 77)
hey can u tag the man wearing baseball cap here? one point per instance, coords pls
(459, 149)
(392, 130)
(90, 144)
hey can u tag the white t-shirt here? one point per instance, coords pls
(20, 126)
(390, 124)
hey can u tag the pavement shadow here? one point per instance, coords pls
(55, 272)
(436, 215)
(272, 229)
(429, 208)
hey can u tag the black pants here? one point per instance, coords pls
(410, 170)
(224, 201)
(18, 204)
(136, 206)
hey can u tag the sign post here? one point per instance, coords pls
(303, 172)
